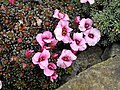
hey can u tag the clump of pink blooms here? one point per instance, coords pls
(78, 41)
(12, 2)
(85, 1)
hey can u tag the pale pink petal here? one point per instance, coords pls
(58, 34)
(91, 42)
(54, 42)
(60, 63)
(36, 57)
(69, 53)
(56, 12)
(82, 25)
(83, 1)
(89, 21)
(66, 39)
(82, 47)
(48, 72)
(39, 39)
(96, 33)
(74, 46)
(67, 63)
(46, 54)
(66, 17)
(48, 40)
(77, 36)
(53, 65)
(60, 15)
(91, 1)
(68, 29)
(47, 34)
(63, 23)
(43, 64)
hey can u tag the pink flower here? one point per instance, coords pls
(2, 7)
(92, 36)
(41, 58)
(43, 38)
(24, 65)
(28, 53)
(77, 20)
(60, 15)
(62, 31)
(90, 1)
(65, 59)
(52, 44)
(85, 24)
(19, 40)
(50, 69)
(12, 1)
(53, 76)
(78, 42)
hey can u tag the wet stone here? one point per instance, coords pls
(111, 51)
(102, 76)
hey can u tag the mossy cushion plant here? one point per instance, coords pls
(106, 15)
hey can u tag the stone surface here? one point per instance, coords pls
(102, 76)
(84, 60)
(111, 51)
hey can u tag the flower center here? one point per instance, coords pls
(45, 38)
(41, 59)
(64, 31)
(61, 15)
(86, 25)
(91, 35)
(66, 58)
(50, 67)
(77, 42)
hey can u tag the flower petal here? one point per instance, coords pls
(39, 39)
(36, 57)
(74, 46)
(43, 64)
(83, 1)
(91, 1)
(66, 17)
(56, 12)
(45, 54)
(67, 63)
(60, 63)
(48, 72)
(58, 33)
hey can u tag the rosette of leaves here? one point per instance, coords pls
(106, 16)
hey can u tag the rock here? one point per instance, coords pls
(84, 60)
(111, 51)
(102, 76)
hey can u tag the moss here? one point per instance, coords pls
(106, 17)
